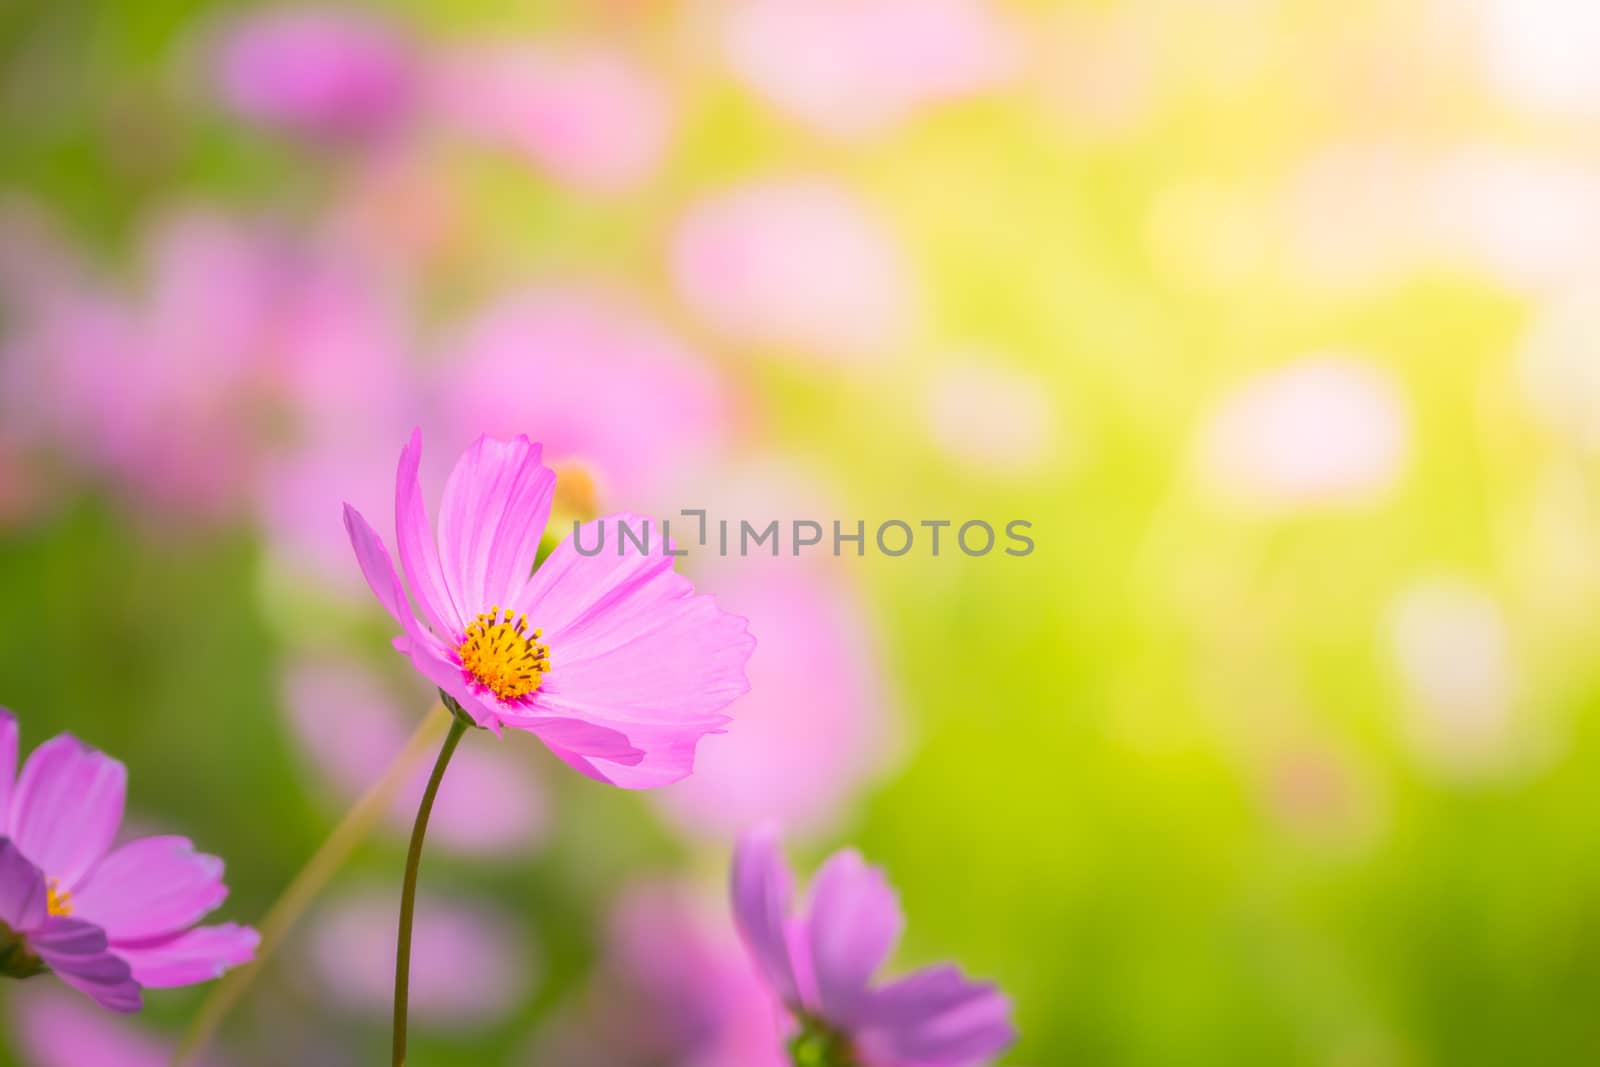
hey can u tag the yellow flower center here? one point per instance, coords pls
(57, 902)
(501, 654)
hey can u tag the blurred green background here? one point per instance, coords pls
(1273, 319)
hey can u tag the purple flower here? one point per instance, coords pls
(821, 965)
(106, 921)
(607, 656)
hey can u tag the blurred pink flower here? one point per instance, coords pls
(822, 964)
(797, 264)
(601, 384)
(352, 728)
(588, 114)
(471, 965)
(49, 1028)
(991, 418)
(814, 728)
(241, 340)
(673, 989)
(106, 921)
(623, 668)
(1327, 430)
(856, 67)
(335, 74)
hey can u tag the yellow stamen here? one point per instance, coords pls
(503, 655)
(58, 902)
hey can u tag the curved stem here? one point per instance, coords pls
(408, 888)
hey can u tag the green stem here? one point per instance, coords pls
(408, 889)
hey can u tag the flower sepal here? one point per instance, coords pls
(457, 710)
(15, 959)
(819, 1045)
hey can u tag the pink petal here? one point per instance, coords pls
(496, 503)
(633, 650)
(67, 807)
(77, 953)
(935, 1017)
(150, 888)
(763, 893)
(8, 760)
(376, 566)
(854, 923)
(630, 642)
(197, 955)
(419, 554)
(23, 897)
(666, 756)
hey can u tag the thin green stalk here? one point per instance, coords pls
(408, 888)
(307, 884)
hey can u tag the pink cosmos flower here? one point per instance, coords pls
(821, 965)
(329, 74)
(610, 658)
(106, 921)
